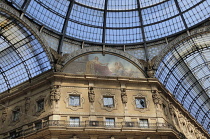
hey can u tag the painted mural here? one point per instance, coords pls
(108, 65)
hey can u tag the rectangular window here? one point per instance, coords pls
(74, 121)
(165, 110)
(16, 114)
(143, 123)
(108, 101)
(74, 100)
(40, 105)
(140, 102)
(110, 122)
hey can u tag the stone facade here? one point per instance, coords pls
(46, 110)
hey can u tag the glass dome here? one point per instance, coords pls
(116, 21)
(184, 71)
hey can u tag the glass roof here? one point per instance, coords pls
(21, 55)
(116, 21)
(185, 71)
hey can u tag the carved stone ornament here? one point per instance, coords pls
(55, 93)
(197, 134)
(183, 123)
(124, 96)
(4, 115)
(191, 128)
(74, 107)
(91, 95)
(156, 98)
(58, 60)
(149, 67)
(171, 109)
(27, 104)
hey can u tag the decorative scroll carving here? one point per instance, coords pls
(124, 96)
(4, 115)
(91, 95)
(156, 98)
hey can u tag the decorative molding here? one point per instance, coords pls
(74, 108)
(101, 102)
(102, 114)
(139, 95)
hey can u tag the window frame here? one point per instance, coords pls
(141, 95)
(143, 123)
(108, 105)
(38, 102)
(16, 115)
(109, 123)
(140, 98)
(67, 100)
(73, 123)
(38, 125)
(79, 99)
